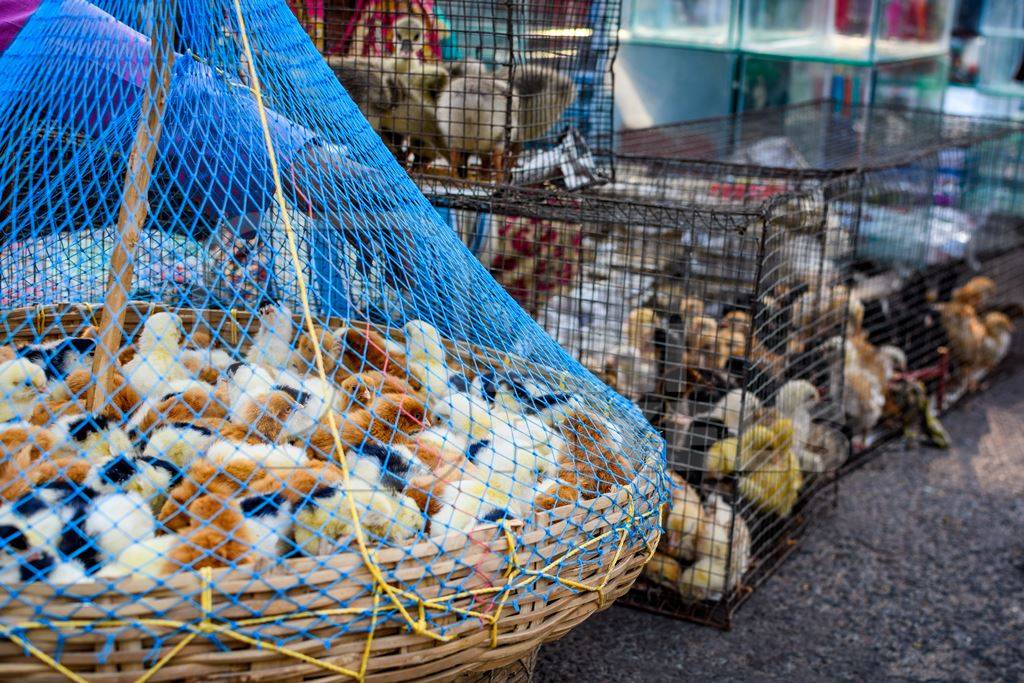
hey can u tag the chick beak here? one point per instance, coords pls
(822, 393)
(406, 47)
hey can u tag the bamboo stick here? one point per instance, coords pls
(135, 204)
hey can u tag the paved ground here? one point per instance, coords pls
(917, 575)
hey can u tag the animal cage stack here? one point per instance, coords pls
(491, 91)
(937, 205)
(724, 325)
(261, 413)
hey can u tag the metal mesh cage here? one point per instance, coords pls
(939, 198)
(724, 324)
(496, 90)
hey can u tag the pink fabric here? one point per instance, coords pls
(13, 15)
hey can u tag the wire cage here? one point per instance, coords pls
(939, 195)
(261, 413)
(723, 324)
(498, 91)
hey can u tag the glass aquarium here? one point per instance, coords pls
(1001, 58)
(777, 81)
(850, 31)
(707, 23)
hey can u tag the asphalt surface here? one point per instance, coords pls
(917, 574)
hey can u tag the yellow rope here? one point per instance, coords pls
(417, 625)
(208, 626)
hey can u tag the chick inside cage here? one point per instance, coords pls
(500, 91)
(936, 202)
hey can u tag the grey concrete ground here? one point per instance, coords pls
(917, 575)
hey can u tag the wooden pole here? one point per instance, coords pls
(135, 204)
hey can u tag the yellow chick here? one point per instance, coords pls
(156, 369)
(22, 384)
(720, 460)
(703, 580)
(663, 570)
(272, 344)
(772, 477)
(682, 521)
(636, 362)
(720, 565)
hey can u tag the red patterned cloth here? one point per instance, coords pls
(534, 258)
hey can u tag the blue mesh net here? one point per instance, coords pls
(255, 391)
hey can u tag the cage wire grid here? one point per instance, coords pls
(499, 91)
(628, 311)
(940, 200)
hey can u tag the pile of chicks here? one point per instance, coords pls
(741, 418)
(210, 457)
(426, 110)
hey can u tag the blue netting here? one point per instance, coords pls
(232, 469)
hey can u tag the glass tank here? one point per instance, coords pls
(707, 23)
(847, 31)
(775, 81)
(1001, 58)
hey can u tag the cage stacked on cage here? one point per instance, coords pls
(499, 91)
(938, 210)
(262, 414)
(725, 326)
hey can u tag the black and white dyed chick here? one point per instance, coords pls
(94, 437)
(268, 523)
(32, 529)
(60, 358)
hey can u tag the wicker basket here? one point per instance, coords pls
(543, 610)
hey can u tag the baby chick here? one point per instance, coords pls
(94, 437)
(31, 533)
(60, 358)
(636, 362)
(682, 521)
(272, 344)
(998, 335)
(720, 565)
(794, 402)
(771, 477)
(267, 525)
(477, 114)
(22, 385)
(663, 570)
(324, 516)
(975, 293)
(156, 369)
